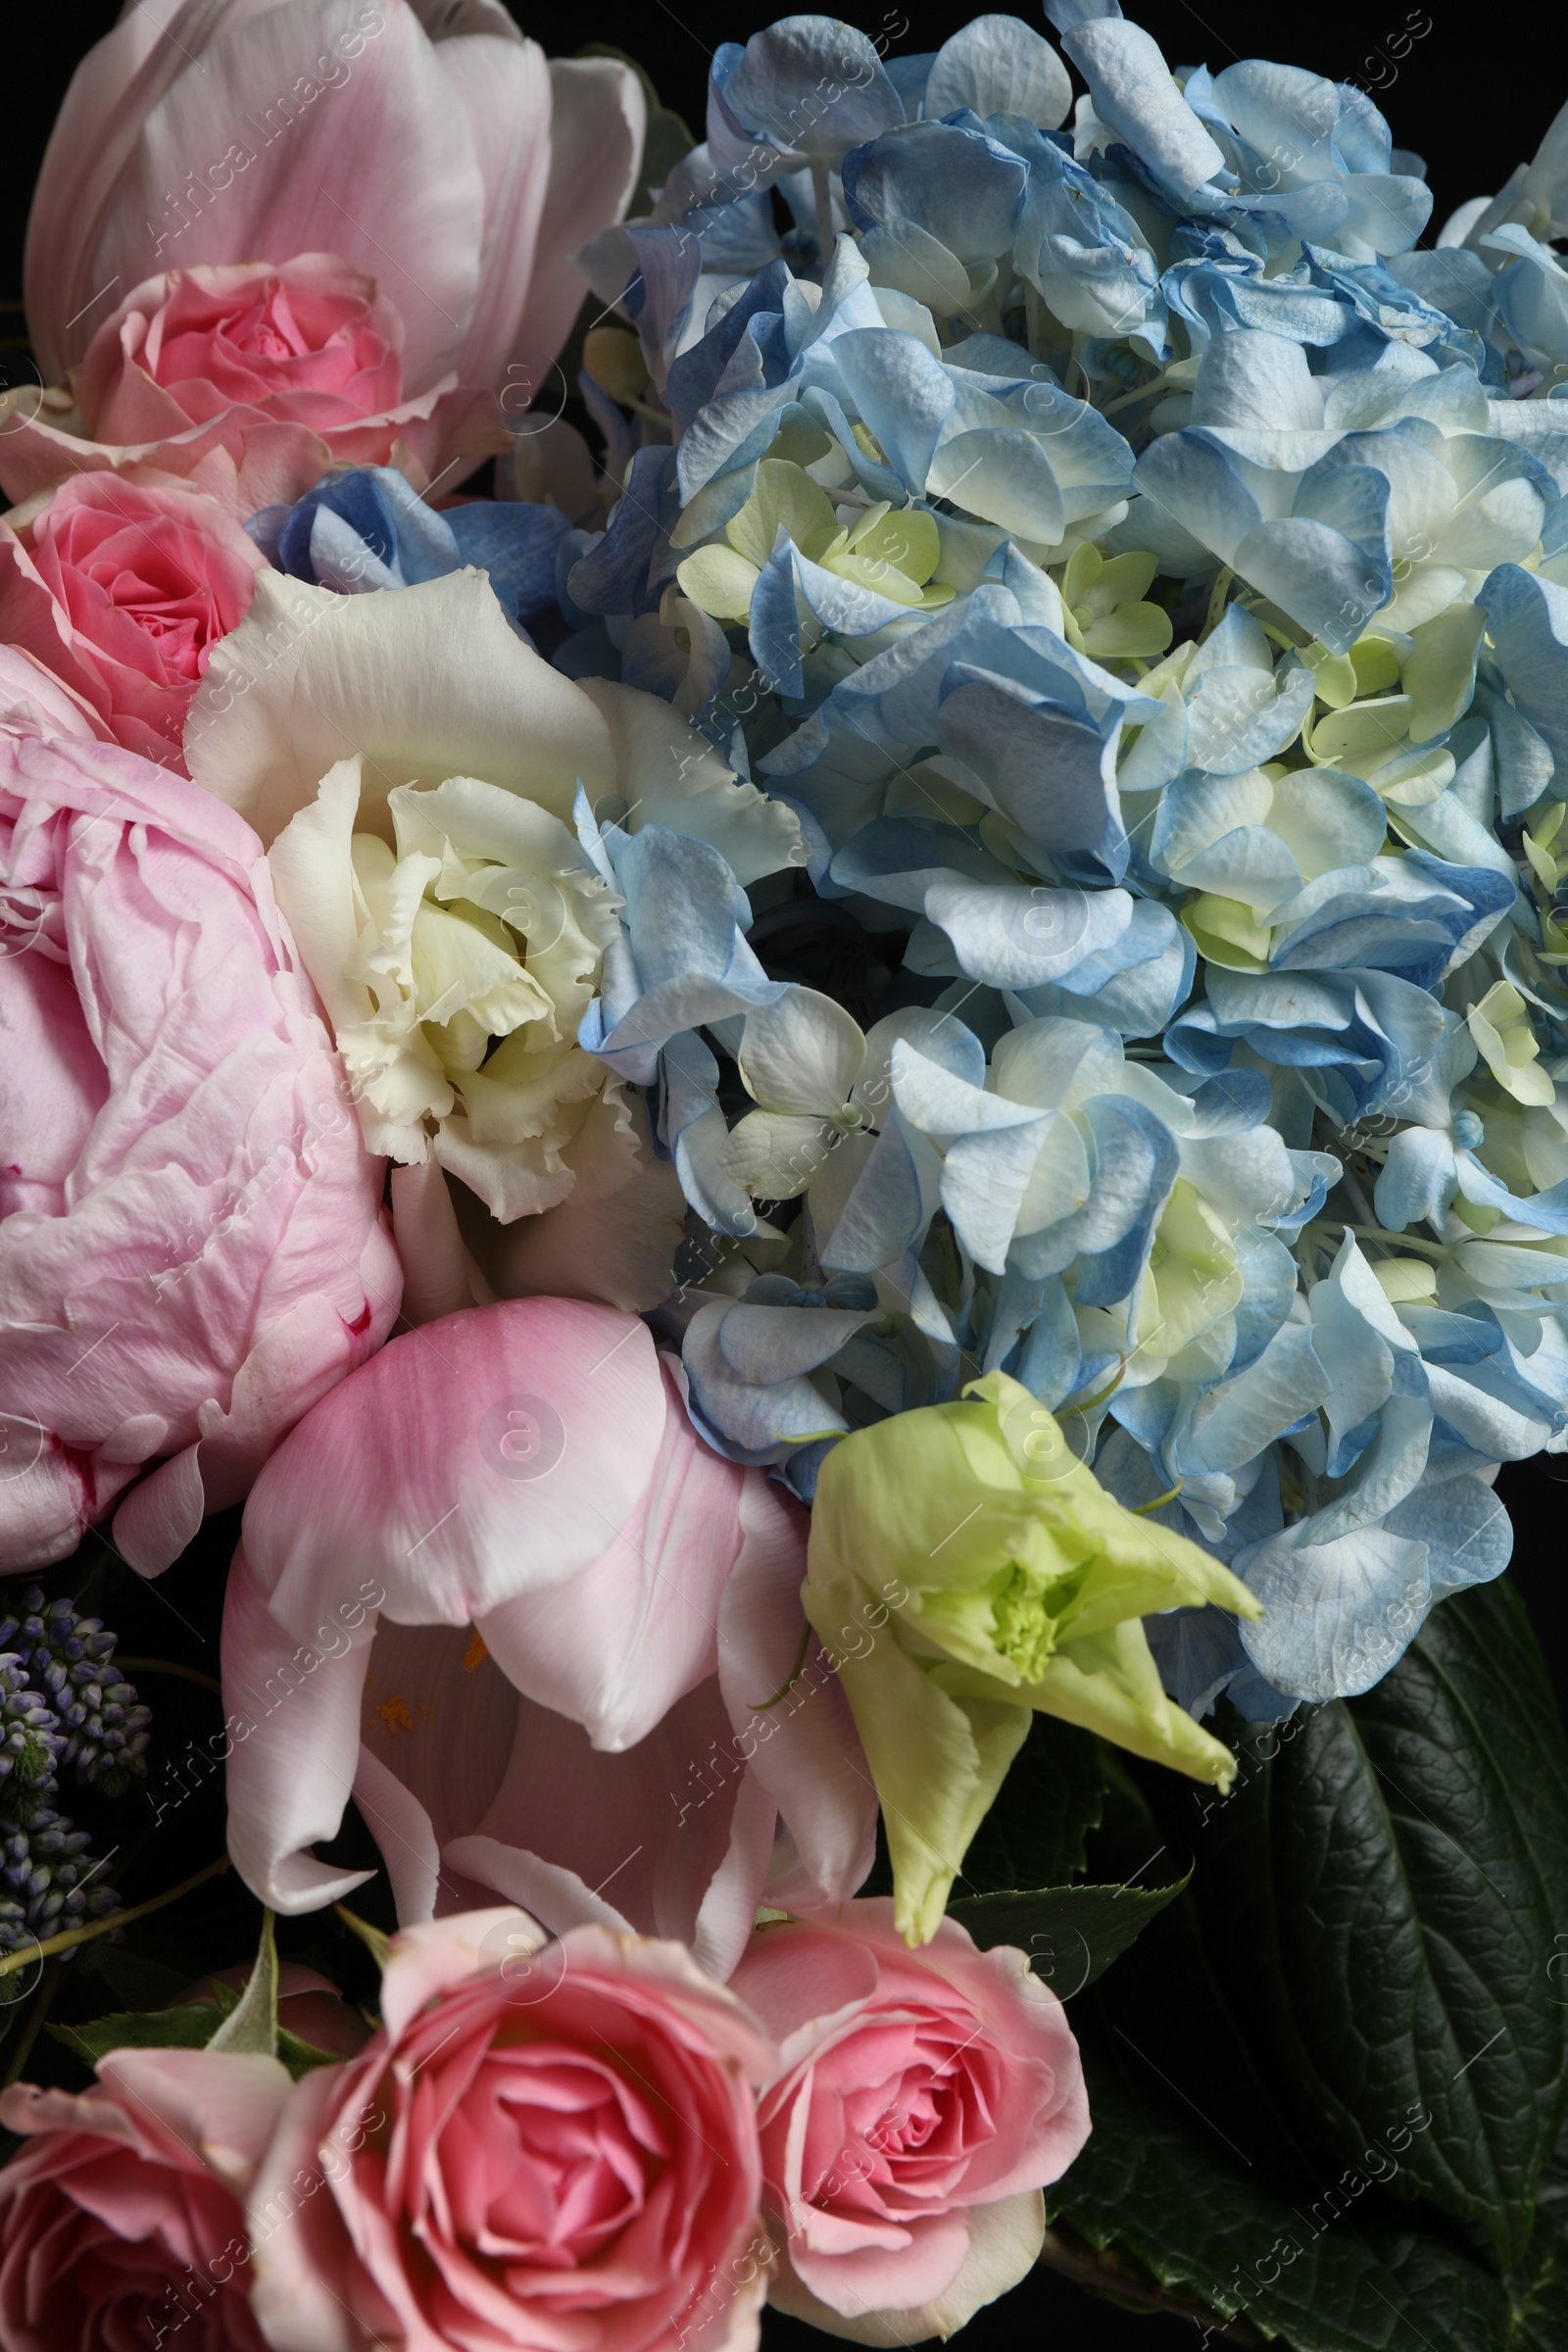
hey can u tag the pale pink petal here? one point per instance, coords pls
(303, 2263)
(440, 1716)
(94, 136)
(400, 1827)
(35, 702)
(790, 1716)
(596, 129)
(637, 1628)
(429, 1958)
(220, 2106)
(295, 1731)
(483, 1455)
(1004, 2245)
(553, 1893)
(438, 1274)
(504, 87)
(380, 168)
(649, 1829)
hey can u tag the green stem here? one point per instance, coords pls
(70, 1937)
(824, 207)
(186, 1674)
(1216, 602)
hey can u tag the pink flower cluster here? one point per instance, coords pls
(581, 2141)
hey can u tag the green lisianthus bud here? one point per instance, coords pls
(965, 1568)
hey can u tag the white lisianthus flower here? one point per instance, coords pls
(413, 769)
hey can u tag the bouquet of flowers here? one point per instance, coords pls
(783, 929)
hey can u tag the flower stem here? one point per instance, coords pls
(186, 1674)
(824, 207)
(70, 1937)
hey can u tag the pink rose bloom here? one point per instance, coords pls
(924, 2100)
(497, 1586)
(434, 148)
(533, 2153)
(122, 2224)
(191, 1244)
(249, 382)
(121, 591)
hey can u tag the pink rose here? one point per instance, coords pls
(312, 340)
(191, 1242)
(541, 2150)
(122, 2224)
(497, 1586)
(454, 164)
(926, 2098)
(249, 382)
(121, 591)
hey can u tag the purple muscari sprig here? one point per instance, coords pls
(48, 1881)
(69, 1661)
(30, 1739)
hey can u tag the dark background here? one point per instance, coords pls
(1473, 108)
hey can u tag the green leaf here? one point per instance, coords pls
(187, 2028)
(1192, 2173)
(251, 2025)
(1540, 2287)
(1071, 1933)
(1382, 1897)
(1034, 1834)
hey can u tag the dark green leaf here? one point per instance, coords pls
(303, 2057)
(1539, 2286)
(1382, 1897)
(1193, 2172)
(1034, 1834)
(188, 2027)
(1071, 1933)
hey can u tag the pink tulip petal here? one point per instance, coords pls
(295, 1729)
(653, 1830)
(554, 1895)
(486, 1454)
(504, 87)
(400, 1827)
(597, 128)
(441, 1717)
(802, 1746)
(380, 168)
(637, 1628)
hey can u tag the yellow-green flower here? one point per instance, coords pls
(965, 1568)
(892, 551)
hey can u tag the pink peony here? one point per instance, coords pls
(497, 1587)
(541, 2150)
(926, 2098)
(122, 2224)
(191, 1244)
(121, 591)
(431, 145)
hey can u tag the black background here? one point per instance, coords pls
(1473, 95)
